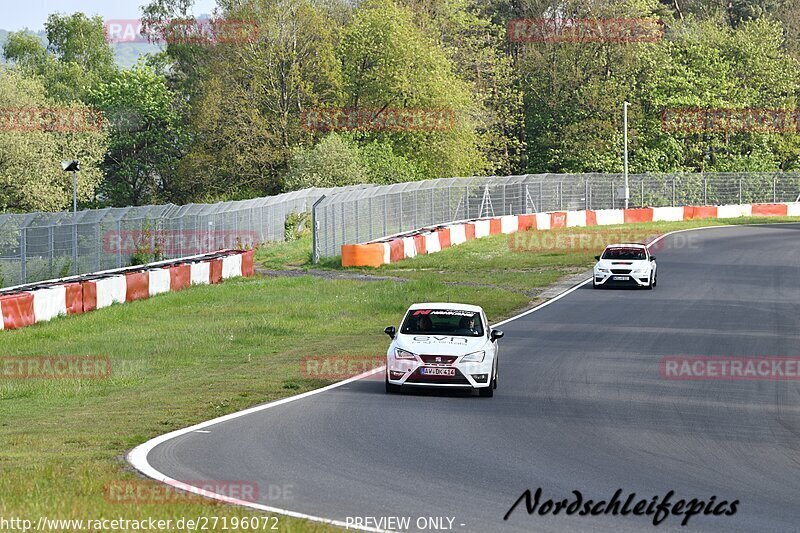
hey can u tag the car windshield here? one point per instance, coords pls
(443, 322)
(630, 254)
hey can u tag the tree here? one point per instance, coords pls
(146, 137)
(31, 149)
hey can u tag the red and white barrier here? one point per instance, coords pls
(20, 307)
(428, 241)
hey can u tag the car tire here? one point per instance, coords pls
(391, 388)
(655, 280)
(595, 285)
(650, 284)
(488, 392)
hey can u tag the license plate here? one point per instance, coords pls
(622, 278)
(438, 371)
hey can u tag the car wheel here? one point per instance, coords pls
(595, 285)
(655, 280)
(650, 283)
(392, 389)
(488, 392)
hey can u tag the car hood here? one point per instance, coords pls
(622, 263)
(440, 344)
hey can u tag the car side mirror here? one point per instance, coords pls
(496, 334)
(391, 331)
(597, 258)
(652, 258)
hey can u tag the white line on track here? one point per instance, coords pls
(138, 456)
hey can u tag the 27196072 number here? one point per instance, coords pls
(247, 523)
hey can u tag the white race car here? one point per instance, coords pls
(443, 345)
(625, 264)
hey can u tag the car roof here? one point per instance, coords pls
(441, 305)
(627, 245)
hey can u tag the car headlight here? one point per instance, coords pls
(604, 270)
(474, 357)
(403, 354)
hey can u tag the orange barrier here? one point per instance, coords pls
(137, 286)
(180, 277)
(770, 210)
(89, 296)
(444, 238)
(362, 255)
(248, 268)
(495, 226)
(591, 218)
(644, 214)
(215, 271)
(17, 310)
(526, 222)
(419, 244)
(396, 252)
(558, 220)
(703, 211)
(469, 230)
(74, 296)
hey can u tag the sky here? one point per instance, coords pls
(32, 14)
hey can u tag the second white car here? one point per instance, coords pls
(625, 264)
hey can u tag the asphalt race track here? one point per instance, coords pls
(581, 405)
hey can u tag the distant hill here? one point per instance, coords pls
(126, 54)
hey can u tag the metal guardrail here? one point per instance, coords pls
(368, 214)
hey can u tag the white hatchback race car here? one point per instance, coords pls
(443, 345)
(625, 264)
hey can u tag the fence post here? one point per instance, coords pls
(385, 214)
(315, 230)
(561, 195)
(23, 255)
(642, 203)
(613, 196)
(673, 192)
(705, 191)
(774, 189)
(119, 236)
(740, 191)
(541, 190)
(358, 230)
(466, 201)
(504, 200)
(586, 195)
(52, 245)
(74, 246)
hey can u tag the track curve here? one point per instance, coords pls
(580, 406)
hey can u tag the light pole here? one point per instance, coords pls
(625, 164)
(73, 166)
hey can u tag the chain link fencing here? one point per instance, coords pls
(42, 246)
(372, 213)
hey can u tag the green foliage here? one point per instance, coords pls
(335, 161)
(31, 178)
(297, 226)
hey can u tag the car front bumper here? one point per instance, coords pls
(458, 375)
(640, 280)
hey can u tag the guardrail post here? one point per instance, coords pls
(315, 230)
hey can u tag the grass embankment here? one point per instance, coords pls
(185, 357)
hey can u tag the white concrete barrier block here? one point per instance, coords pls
(542, 220)
(432, 243)
(458, 234)
(159, 281)
(201, 273)
(232, 266)
(576, 219)
(509, 224)
(609, 217)
(667, 214)
(111, 290)
(482, 228)
(734, 211)
(49, 303)
(409, 247)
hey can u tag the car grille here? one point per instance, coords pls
(620, 271)
(458, 379)
(438, 359)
